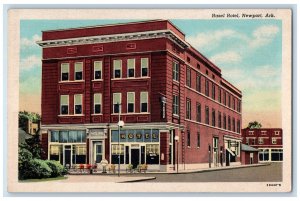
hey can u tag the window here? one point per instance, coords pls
(260, 140)
(198, 139)
(238, 126)
(213, 117)
(79, 154)
(144, 66)
(198, 83)
(117, 150)
(206, 87)
(224, 97)
(78, 103)
(198, 66)
(229, 123)
(247, 141)
(188, 77)
(152, 154)
(277, 132)
(233, 124)
(264, 132)
(97, 103)
(224, 121)
(198, 110)
(213, 91)
(274, 140)
(239, 106)
(175, 104)
(117, 99)
(207, 115)
(117, 68)
(64, 68)
(188, 141)
(97, 70)
(78, 70)
(64, 104)
(188, 108)
(175, 71)
(188, 59)
(220, 95)
(233, 103)
(130, 102)
(219, 120)
(130, 67)
(144, 101)
(229, 100)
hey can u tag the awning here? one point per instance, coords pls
(230, 151)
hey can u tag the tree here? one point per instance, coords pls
(25, 116)
(254, 125)
(33, 145)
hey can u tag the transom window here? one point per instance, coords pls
(64, 68)
(130, 102)
(78, 103)
(144, 66)
(78, 70)
(130, 67)
(97, 70)
(117, 99)
(97, 103)
(64, 104)
(117, 68)
(144, 101)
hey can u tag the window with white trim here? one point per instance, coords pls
(144, 101)
(175, 71)
(188, 77)
(64, 104)
(188, 109)
(198, 82)
(198, 112)
(97, 70)
(117, 68)
(207, 115)
(97, 103)
(130, 67)
(64, 69)
(198, 139)
(175, 104)
(130, 102)
(117, 99)
(78, 104)
(78, 71)
(260, 140)
(144, 66)
(274, 140)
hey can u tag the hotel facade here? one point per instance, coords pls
(164, 86)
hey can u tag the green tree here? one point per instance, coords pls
(33, 145)
(24, 116)
(254, 125)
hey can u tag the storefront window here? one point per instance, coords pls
(276, 154)
(264, 155)
(152, 154)
(115, 151)
(68, 136)
(79, 154)
(55, 151)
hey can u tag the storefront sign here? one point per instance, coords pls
(98, 133)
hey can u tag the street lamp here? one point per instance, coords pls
(177, 140)
(120, 125)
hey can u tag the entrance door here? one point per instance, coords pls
(98, 152)
(67, 155)
(135, 157)
(227, 158)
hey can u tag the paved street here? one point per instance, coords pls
(268, 173)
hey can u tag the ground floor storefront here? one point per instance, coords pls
(270, 154)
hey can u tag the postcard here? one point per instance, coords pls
(117, 100)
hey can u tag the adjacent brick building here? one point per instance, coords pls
(166, 88)
(267, 140)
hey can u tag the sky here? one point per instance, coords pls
(249, 53)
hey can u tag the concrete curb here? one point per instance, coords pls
(138, 180)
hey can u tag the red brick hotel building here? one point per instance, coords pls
(166, 88)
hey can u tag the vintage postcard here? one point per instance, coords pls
(191, 100)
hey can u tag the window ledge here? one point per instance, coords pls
(131, 113)
(70, 81)
(130, 78)
(71, 115)
(96, 114)
(95, 80)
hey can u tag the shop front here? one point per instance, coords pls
(232, 151)
(135, 146)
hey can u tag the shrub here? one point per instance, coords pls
(57, 168)
(40, 169)
(25, 160)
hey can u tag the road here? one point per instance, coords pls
(268, 173)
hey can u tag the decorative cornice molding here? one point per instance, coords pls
(115, 38)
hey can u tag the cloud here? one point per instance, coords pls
(266, 71)
(30, 62)
(263, 35)
(226, 57)
(30, 42)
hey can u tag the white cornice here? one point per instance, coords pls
(115, 38)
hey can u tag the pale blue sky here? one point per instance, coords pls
(247, 51)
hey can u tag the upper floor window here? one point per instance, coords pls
(144, 101)
(233, 103)
(130, 102)
(229, 123)
(97, 103)
(260, 140)
(207, 115)
(213, 90)
(188, 108)
(188, 77)
(64, 104)
(198, 83)
(264, 132)
(117, 68)
(78, 103)
(198, 139)
(175, 104)
(78, 70)
(224, 121)
(233, 124)
(130, 67)
(224, 96)
(239, 106)
(188, 59)
(188, 142)
(220, 95)
(117, 101)
(97, 70)
(198, 111)
(277, 132)
(175, 71)
(219, 120)
(274, 140)
(65, 68)
(144, 66)
(238, 127)
(213, 117)
(229, 100)
(206, 87)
